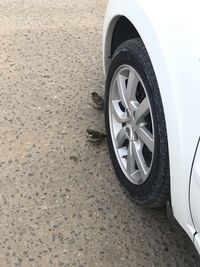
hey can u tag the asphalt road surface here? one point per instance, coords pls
(60, 202)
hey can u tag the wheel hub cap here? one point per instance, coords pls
(131, 124)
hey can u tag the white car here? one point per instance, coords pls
(152, 103)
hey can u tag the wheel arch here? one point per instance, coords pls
(120, 30)
(123, 31)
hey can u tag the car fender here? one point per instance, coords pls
(173, 44)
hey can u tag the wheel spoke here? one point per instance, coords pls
(147, 137)
(132, 86)
(121, 84)
(141, 164)
(118, 113)
(130, 159)
(142, 111)
(121, 138)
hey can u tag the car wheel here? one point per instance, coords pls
(135, 125)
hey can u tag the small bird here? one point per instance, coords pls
(97, 101)
(95, 136)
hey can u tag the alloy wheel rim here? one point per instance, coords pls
(131, 124)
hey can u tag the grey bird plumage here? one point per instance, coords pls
(94, 136)
(97, 101)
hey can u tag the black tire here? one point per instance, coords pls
(155, 191)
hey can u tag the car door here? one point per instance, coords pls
(195, 194)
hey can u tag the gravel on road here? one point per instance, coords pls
(60, 202)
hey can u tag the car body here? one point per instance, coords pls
(171, 34)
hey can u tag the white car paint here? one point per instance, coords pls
(171, 33)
